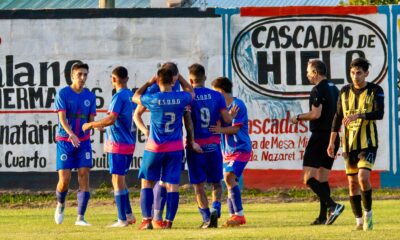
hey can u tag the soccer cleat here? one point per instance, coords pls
(213, 220)
(82, 223)
(205, 225)
(318, 221)
(146, 224)
(130, 219)
(119, 224)
(334, 213)
(368, 224)
(167, 224)
(158, 224)
(59, 215)
(235, 221)
(358, 227)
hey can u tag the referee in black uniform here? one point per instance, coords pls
(317, 163)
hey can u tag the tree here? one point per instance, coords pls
(368, 2)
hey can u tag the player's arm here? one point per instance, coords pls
(336, 124)
(187, 119)
(107, 121)
(378, 107)
(64, 123)
(137, 118)
(217, 129)
(142, 89)
(186, 86)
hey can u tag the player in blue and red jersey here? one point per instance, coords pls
(164, 149)
(159, 190)
(207, 108)
(236, 150)
(75, 106)
(120, 142)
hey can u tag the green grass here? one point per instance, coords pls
(264, 221)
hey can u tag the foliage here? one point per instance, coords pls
(368, 2)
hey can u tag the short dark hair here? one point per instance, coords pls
(318, 65)
(198, 72)
(172, 67)
(79, 65)
(121, 72)
(165, 76)
(223, 83)
(360, 63)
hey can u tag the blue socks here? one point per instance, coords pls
(230, 206)
(236, 199)
(61, 196)
(172, 205)
(146, 202)
(160, 197)
(83, 200)
(217, 206)
(205, 213)
(128, 208)
(120, 201)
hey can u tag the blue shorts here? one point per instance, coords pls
(166, 166)
(235, 166)
(119, 163)
(70, 157)
(205, 166)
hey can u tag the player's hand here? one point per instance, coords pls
(234, 110)
(146, 133)
(331, 150)
(86, 126)
(100, 129)
(216, 128)
(152, 80)
(293, 119)
(74, 140)
(347, 120)
(196, 147)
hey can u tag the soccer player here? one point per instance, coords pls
(164, 149)
(206, 109)
(236, 150)
(120, 142)
(75, 106)
(360, 104)
(317, 163)
(159, 190)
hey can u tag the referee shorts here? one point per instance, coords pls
(316, 155)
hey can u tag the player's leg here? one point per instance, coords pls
(214, 176)
(197, 177)
(232, 172)
(172, 168)
(64, 162)
(83, 157)
(83, 196)
(350, 161)
(64, 178)
(149, 173)
(119, 166)
(365, 165)
(160, 198)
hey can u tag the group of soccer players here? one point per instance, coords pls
(217, 145)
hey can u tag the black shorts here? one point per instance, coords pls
(359, 159)
(315, 155)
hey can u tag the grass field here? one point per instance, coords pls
(264, 221)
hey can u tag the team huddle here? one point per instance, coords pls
(217, 143)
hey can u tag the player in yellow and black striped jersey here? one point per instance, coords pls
(360, 104)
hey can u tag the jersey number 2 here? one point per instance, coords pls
(168, 124)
